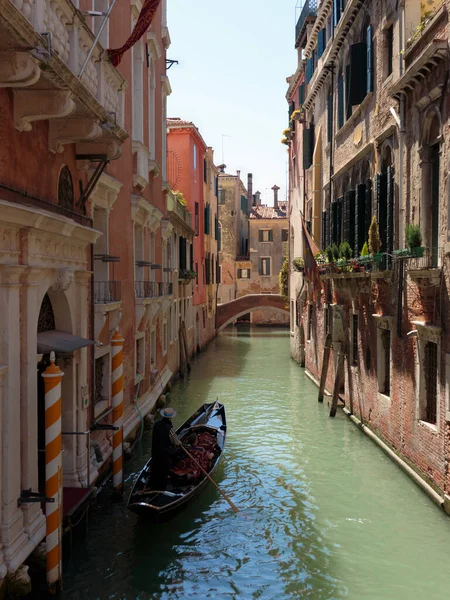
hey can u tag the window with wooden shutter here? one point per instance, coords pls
(270, 235)
(369, 66)
(360, 219)
(346, 217)
(368, 208)
(329, 116)
(239, 273)
(329, 227)
(340, 204)
(336, 11)
(323, 233)
(351, 218)
(307, 158)
(309, 69)
(357, 73)
(390, 213)
(340, 101)
(301, 94)
(191, 254)
(260, 235)
(381, 207)
(321, 41)
(205, 172)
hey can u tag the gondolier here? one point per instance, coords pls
(165, 444)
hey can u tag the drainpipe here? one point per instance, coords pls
(401, 208)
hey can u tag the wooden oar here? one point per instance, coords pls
(233, 506)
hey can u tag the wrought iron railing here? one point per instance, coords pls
(431, 259)
(147, 289)
(107, 291)
(309, 10)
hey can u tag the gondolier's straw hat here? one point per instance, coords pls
(169, 413)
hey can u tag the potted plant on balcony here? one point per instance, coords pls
(375, 241)
(298, 115)
(298, 264)
(413, 235)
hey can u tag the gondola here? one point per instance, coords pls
(204, 431)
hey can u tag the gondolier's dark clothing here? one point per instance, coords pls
(164, 444)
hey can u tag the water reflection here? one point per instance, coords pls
(320, 514)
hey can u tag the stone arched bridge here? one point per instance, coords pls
(229, 311)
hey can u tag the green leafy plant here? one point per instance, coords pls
(180, 197)
(298, 264)
(413, 236)
(285, 140)
(345, 250)
(336, 253)
(374, 237)
(283, 280)
(365, 250)
(329, 253)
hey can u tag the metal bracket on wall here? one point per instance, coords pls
(102, 162)
(27, 496)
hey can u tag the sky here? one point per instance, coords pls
(234, 57)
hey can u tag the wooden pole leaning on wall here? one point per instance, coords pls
(117, 342)
(325, 363)
(53, 475)
(186, 349)
(337, 380)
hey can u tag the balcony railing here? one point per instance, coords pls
(147, 289)
(107, 291)
(308, 15)
(173, 205)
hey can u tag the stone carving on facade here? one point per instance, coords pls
(109, 147)
(166, 229)
(70, 131)
(40, 105)
(18, 69)
(64, 278)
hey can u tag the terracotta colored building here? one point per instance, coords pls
(369, 129)
(192, 172)
(83, 189)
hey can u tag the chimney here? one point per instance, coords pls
(258, 198)
(222, 168)
(275, 196)
(249, 190)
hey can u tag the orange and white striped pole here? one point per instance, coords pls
(117, 342)
(53, 474)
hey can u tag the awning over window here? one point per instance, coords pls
(60, 342)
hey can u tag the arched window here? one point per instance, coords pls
(431, 147)
(65, 189)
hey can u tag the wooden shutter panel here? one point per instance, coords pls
(358, 73)
(329, 228)
(360, 218)
(192, 256)
(390, 212)
(321, 38)
(301, 94)
(340, 101)
(270, 235)
(369, 57)
(345, 216)
(339, 219)
(351, 218)
(260, 266)
(368, 208)
(307, 148)
(239, 273)
(260, 235)
(381, 202)
(336, 12)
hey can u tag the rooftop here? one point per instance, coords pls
(269, 212)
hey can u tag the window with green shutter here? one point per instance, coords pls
(334, 223)
(340, 205)
(323, 232)
(348, 104)
(368, 208)
(336, 12)
(381, 207)
(301, 94)
(390, 213)
(360, 219)
(329, 227)
(309, 72)
(321, 41)
(308, 146)
(205, 171)
(357, 73)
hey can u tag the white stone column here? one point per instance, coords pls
(15, 541)
(34, 519)
(3, 371)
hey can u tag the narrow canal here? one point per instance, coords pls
(325, 514)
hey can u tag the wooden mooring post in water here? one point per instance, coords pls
(325, 362)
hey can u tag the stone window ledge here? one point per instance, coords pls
(350, 123)
(383, 321)
(429, 333)
(429, 427)
(384, 398)
(432, 276)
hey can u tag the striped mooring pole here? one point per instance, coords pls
(53, 474)
(117, 342)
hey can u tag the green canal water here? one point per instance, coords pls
(324, 513)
